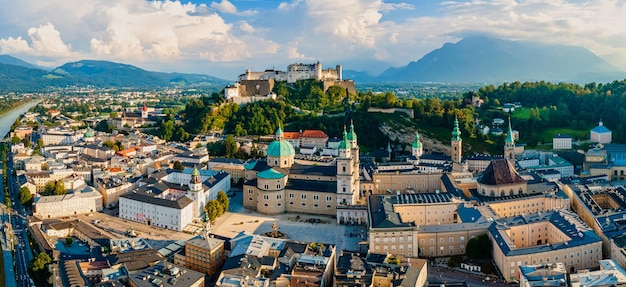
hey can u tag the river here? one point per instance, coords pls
(8, 119)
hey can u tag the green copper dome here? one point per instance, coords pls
(270, 174)
(345, 144)
(280, 147)
(89, 134)
(417, 143)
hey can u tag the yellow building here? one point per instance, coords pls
(205, 254)
(544, 238)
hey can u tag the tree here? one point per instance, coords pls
(392, 259)
(25, 196)
(178, 165)
(37, 268)
(59, 188)
(15, 140)
(222, 198)
(230, 145)
(479, 247)
(212, 209)
(49, 188)
(69, 240)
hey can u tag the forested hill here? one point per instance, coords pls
(19, 76)
(564, 105)
(547, 109)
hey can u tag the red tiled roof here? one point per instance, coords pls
(313, 134)
(291, 135)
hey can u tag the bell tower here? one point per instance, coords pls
(456, 143)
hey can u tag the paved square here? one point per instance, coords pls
(294, 226)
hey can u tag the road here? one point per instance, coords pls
(23, 251)
(443, 275)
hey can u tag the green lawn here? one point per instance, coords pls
(548, 133)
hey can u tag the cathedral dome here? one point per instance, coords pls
(280, 147)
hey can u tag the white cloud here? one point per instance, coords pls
(174, 34)
(245, 27)
(225, 7)
(45, 40)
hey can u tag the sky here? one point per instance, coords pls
(224, 37)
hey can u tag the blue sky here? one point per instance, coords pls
(224, 37)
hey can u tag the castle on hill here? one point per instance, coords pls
(253, 86)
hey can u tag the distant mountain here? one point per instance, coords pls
(17, 75)
(357, 76)
(483, 59)
(111, 74)
(9, 60)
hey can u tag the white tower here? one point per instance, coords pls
(196, 181)
(416, 148)
(346, 194)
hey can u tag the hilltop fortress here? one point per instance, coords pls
(253, 86)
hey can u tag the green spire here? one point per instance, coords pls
(345, 144)
(509, 134)
(195, 171)
(279, 131)
(456, 133)
(352, 134)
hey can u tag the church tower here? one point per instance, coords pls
(355, 158)
(346, 195)
(456, 143)
(416, 148)
(509, 143)
(196, 181)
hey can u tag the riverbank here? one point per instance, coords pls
(14, 108)
(7, 120)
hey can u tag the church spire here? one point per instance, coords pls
(509, 135)
(456, 133)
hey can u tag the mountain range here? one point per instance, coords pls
(476, 59)
(18, 75)
(483, 59)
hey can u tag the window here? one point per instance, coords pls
(266, 197)
(303, 204)
(249, 190)
(329, 198)
(280, 196)
(462, 238)
(316, 197)
(291, 195)
(304, 196)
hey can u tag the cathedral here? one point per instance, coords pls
(281, 183)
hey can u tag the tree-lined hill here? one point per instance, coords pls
(17, 75)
